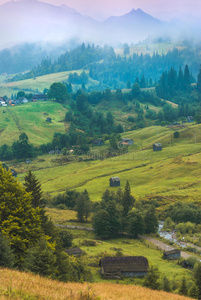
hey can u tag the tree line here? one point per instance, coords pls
(29, 240)
(114, 214)
(115, 71)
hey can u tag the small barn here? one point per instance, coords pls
(74, 251)
(42, 97)
(114, 181)
(127, 142)
(157, 147)
(172, 254)
(49, 120)
(128, 266)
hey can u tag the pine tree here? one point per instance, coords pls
(33, 186)
(193, 291)
(6, 254)
(128, 200)
(151, 220)
(135, 90)
(83, 206)
(152, 279)
(180, 80)
(101, 224)
(197, 275)
(199, 82)
(18, 219)
(166, 284)
(183, 290)
(187, 79)
(41, 260)
(136, 224)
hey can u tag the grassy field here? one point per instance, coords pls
(37, 84)
(18, 285)
(128, 247)
(171, 174)
(31, 118)
(160, 48)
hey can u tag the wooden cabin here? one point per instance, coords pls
(157, 147)
(114, 181)
(172, 254)
(127, 266)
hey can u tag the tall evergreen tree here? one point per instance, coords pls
(18, 219)
(199, 82)
(128, 200)
(136, 224)
(152, 279)
(183, 290)
(180, 80)
(41, 260)
(197, 275)
(83, 206)
(151, 220)
(101, 224)
(187, 79)
(6, 254)
(33, 186)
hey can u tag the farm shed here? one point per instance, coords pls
(42, 97)
(74, 251)
(172, 254)
(127, 142)
(114, 181)
(128, 266)
(49, 120)
(157, 147)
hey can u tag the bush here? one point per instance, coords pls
(62, 206)
(66, 238)
(88, 243)
(176, 134)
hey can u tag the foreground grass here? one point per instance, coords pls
(19, 285)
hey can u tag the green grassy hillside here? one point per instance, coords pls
(31, 118)
(37, 84)
(171, 174)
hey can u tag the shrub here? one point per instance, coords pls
(176, 134)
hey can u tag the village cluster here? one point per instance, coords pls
(21, 100)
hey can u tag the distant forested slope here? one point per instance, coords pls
(116, 71)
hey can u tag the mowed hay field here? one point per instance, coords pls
(173, 173)
(19, 285)
(37, 84)
(31, 118)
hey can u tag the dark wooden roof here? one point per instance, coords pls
(126, 140)
(39, 96)
(173, 251)
(74, 251)
(124, 264)
(114, 179)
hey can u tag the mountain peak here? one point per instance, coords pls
(137, 11)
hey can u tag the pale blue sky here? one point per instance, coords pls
(101, 9)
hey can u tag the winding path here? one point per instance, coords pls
(162, 246)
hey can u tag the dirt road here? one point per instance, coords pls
(163, 246)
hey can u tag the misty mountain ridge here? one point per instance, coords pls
(36, 21)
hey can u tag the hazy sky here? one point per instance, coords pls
(101, 9)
